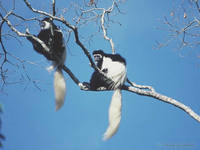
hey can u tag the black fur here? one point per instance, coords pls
(97, 79)
(54, 41)
(114, 57)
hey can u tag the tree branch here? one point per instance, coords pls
(27, 34)
(75, 30)
(2, 45)
(102, 20)
(197, 5)
(109, 10)
(140, 90)
(54, 7)
(49, 15)
(140, 86)
(73, 77)
(165, 99)
(183, 27)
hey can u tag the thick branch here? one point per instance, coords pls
(140, 89)
(164, 98)
(73, 77)
(154, 94)
(84, 49)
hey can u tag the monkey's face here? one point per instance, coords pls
(97, 58)
(45, 25)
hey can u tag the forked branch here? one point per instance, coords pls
(109, 10)
(163, 98)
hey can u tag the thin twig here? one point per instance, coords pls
(2, 45)
(54, 7)
(49, 15)
(24, 19)
(140, 86)
(109, 10)
(197, 5)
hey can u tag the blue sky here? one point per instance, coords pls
(30, 121)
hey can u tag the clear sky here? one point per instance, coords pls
(31, 123)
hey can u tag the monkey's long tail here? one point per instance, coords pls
(59, 88)
(114, 114)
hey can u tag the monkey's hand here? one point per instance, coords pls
(27, 31)
(29, 37)
(84, 86)
(102, 88)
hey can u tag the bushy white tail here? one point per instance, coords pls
(59, 88)
(114, 114)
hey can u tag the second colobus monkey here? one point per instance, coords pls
(52, 37)
(114, 68)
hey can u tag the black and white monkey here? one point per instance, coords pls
(53, 48)
(113, 67)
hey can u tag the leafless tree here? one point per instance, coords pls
(182, 25)
(14, 25)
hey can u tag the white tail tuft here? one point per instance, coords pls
(59, 88)
(114, 114)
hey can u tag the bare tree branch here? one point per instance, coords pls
(27, 34)
(183, 25)
(73, 77)
(197, 5)
(102, 20)
(165, 99)
(75, 30)
(24, 19)
(2, 45)
(140, 90)
(54, 7)
(103, 27)
(49, 15)
(140, 86)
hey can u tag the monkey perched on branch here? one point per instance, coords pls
(53, 48)
(114, 68)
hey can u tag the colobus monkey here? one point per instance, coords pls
(52, 37)
(114, 68)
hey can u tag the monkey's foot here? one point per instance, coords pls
(50, 68)
(84, 86)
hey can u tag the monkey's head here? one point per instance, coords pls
(98, 56)
(46, 23)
